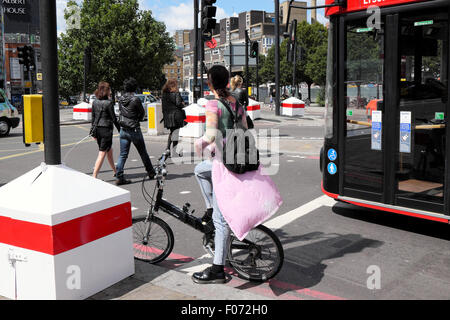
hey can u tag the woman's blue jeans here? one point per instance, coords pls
(222, 237)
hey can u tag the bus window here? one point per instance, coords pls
(423, 95)
(363, 84)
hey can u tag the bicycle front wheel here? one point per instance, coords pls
(159, 242)
(258, 257)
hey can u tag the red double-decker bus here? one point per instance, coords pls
(386, 144)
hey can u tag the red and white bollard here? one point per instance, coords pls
(196, 121)
(82, 111)
(253, 109)
(70, 239)
(292, 107)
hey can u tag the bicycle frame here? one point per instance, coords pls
(175, 211)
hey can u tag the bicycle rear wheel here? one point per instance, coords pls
(258, 257)
(159, 243)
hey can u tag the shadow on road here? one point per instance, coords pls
(416, 225)
(306, 253)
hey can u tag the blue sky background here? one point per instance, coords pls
(178, 14)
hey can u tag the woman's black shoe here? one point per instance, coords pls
(207, 276)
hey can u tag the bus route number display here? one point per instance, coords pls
(405, 131)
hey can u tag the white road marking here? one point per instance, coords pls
(134, 160)
(290, 161)
(281, 221)
(185, 192)
(134, 208)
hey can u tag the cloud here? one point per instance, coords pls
(182, 16)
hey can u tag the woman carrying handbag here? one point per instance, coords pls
(173, 113)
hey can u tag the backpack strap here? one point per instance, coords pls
(227, 105)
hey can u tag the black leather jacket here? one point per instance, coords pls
(107, 117)
(241, 95)
(172, 108)
(131, 111)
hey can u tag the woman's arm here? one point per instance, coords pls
(212, 124)
(112, 114)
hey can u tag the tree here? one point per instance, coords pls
(311, 68)
(125, 42)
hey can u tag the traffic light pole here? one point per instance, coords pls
(257, 77)
(202, 54)
(195, 49)
(294, 49)
(49, 54)
(246, 61)
(277, 57)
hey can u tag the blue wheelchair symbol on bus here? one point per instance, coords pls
(332, 154)
(332, 168)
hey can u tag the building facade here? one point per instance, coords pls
(174, 71)
(20, 28)
(260, 26)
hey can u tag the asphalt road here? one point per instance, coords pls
(332, 250)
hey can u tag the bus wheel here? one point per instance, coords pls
(4, 127)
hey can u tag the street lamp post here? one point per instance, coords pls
(277, 57)
(49, 58)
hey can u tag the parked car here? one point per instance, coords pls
(146, 99)
(9, 115)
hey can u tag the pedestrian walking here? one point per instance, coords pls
(131, 113)
(238, 92)
(241, 96)
(173, 113)
(103, 122)
(222, 189)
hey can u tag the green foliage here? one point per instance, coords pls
(125, 42)
(312, 68)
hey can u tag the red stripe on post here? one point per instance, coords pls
(65, 236)
(82, 110)
(294, 106)
(254, 108)
(195, 119)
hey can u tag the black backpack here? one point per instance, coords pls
(240, 154)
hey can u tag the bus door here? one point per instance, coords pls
(423, 45)
(363, 91)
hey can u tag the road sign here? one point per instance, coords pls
(238, 56)
(39, 76)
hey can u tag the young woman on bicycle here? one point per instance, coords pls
(218, 120)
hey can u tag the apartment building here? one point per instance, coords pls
(260, 26)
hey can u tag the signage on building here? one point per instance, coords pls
(15, 68)
(21, 16)
(14, 6)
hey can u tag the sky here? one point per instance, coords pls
(178, 14)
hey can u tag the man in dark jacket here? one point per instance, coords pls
(131, 113)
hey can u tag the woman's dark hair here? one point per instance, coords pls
(170, 85)
(103, 91)
(219, 77)
(130, 85)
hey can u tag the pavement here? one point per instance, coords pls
(164, 282)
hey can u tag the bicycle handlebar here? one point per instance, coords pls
(161, 167)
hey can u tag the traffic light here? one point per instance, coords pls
(30, 57)
(254, 51)
(26, 56)
(208, 19)
(22, 54)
